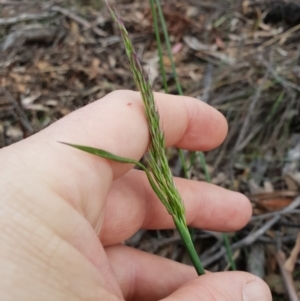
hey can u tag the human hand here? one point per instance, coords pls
(65, 213)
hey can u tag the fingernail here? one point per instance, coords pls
(256, 290)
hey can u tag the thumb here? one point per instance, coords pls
(223, 286)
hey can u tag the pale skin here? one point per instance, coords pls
(64, 214)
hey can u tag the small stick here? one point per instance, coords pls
(252, 106)
(23, 118)
(207, 83)
(78, 19)
(248, 240)
(285, 83)
(286, 277)
(272, 41)
(9, 2)
(25, 17)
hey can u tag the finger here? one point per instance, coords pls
(224, 286)
(117, 124)
(147, 277)
(144, 276)
(132, 204)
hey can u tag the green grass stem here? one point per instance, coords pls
(228, 251)
(159, 47)
(167, 40)
(204, 166)
(224, 235)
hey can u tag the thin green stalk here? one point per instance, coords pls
(204, 166)
(274, 107)
(229, 252)
(192, 160)
(225, 236)
(184, 167)
(167, 39)
(159, 47)
(186, 237)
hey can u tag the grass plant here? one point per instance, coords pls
(156, 7)
(158, 171)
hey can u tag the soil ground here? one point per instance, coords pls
(241, 57)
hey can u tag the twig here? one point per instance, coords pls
(290, 263)
(271, 41)
(252, 106)
(248, 240)
(253, 132)
(251, 238)
(23, 118)
(256, 260)
(207, 83)
(10, 2)
(286, 277)
(28, 34)
(78, 19)
(25, 17)
(286, 84)
(208, 253)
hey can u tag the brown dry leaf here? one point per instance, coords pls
(51, 102)
(64, 111)
(30, 99)
(94, 69)
(271, 265)
(273, 201)
(36, 107)
(166, 61)
(247, 8)
(22, 88)
(112, 61)
(177, 58)
(20, 78)
(219, 42)
(275, 204)
(268, 186)
(74, 28)
(177, 48)
(15, 133)
(43, 66)
(291, 261)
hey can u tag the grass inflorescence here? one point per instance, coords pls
(158, 171)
